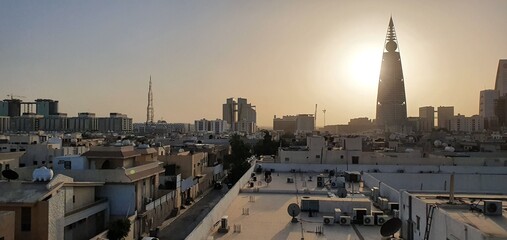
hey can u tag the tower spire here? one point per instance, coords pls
(149, 110)
(391, 99)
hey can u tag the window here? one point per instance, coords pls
(355, 159)
(286, 159)
(418, 222)
(317, 156)
(73, 198)
(34, 162)
(67, 165)
(7, 167)
(341, 156)
(26, 219)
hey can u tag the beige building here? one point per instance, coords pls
(58, 209)
(7, 218)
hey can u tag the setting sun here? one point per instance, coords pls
(364, 67)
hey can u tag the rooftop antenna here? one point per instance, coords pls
(10, 174)
(324, 111)
(315, 119)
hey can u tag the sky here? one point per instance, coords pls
(283, 56)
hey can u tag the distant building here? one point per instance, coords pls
(5, 123)
(391, 100)
(116, 122)
(215, 126)
(445, 114)
(28, 122)
(241, 115)
(487, 107)
(46, 107)
(301, 123)
(461, 123)
(10, 107)
(84, 122)
(501, 77)
(286, 124)
(57, 122)
(501, 110)
(427, 118)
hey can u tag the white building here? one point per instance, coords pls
(215, 126)
(460, 123)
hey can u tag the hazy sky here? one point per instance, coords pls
(283, 56)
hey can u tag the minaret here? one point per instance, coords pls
(149, 109)
(391, 101)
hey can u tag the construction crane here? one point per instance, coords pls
(12, 96)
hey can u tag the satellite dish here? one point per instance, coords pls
(10, 174)
(342, 193)
(390, 227)
(269, 179)
(293, 210)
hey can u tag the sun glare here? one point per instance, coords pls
(364, 68)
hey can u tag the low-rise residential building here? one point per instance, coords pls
(58, 209)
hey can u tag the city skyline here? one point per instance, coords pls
(283, 57)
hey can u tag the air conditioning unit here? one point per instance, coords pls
(328, 219)
(383, 203)
(290, 180)
(381, 219)
(368, 220)
(344, 220)
(376, 214)
(337, 214)
(492, 208)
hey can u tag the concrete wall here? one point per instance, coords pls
(206, 225)
(286, 167)
(7, 218)
(476, 183)
(121, 198)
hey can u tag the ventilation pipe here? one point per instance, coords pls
(451, 189)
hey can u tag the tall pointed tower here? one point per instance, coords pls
(391, 101)
(149, 109)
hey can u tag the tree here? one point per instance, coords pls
(236, 161)
(118, 229)
(266, 146)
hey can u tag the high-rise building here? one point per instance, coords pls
(501, 77)
(487, 108)
(46, 107)
(10, 107)
(444, 115)
(461, 123)
(229, 112)
(391, 101)
(241, 115)
(426, 118)
(150, 112)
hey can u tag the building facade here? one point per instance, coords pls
(426, 118)
(501, 77)
(444, 116)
